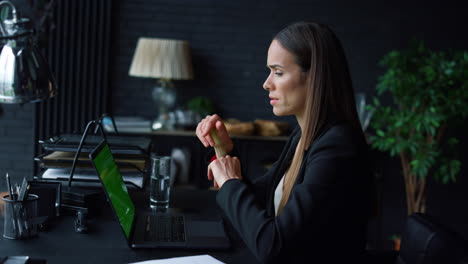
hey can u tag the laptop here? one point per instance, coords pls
(149, 229)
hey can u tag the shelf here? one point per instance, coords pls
(191, 133)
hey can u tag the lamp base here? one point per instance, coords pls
(163, 122)
(75, 197)
(164, 96)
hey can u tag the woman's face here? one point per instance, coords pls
(286, 82)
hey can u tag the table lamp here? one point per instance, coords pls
(25, 75)
(166, 60)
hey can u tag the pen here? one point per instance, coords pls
(23, 190)
(10, 190)
(16, 191)
(17, 212)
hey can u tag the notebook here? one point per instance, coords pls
(145, 229)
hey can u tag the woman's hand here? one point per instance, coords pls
(223, 169)
(203, 133)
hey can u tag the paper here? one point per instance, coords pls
(65, 158)
(135, 178)
(200, 259)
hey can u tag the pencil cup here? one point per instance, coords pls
(20, 216)
(160, 182)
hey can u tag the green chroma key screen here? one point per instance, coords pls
(115, 187)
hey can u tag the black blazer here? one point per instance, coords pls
(325, 219)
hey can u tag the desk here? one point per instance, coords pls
(106, 243)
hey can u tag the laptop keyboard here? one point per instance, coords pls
(165, 228)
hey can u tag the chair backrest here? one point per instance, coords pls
(426, 241)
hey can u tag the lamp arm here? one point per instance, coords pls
(85, 134)
(13, 12)
(13, 8)
(101, 129)
(80, 146)
(2, 30)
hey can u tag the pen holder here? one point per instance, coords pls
(20, 217)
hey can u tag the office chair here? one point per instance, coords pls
(426, 241)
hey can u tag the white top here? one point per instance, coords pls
(278, 194)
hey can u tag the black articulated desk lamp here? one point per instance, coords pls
(25, 75)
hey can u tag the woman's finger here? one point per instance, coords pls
(199, 133)
(238, 166)
(221, 128)
(211, 177)
(207, 125)
(209, 173)
(210, 122)
(205, 128)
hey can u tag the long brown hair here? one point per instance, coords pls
(319, 53)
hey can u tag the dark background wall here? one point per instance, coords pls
(229, 41)
(16, 142)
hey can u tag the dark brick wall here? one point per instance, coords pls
(16, 142)
(230, 39)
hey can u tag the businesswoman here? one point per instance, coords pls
(312, 205)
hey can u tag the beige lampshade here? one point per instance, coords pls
(162, 58)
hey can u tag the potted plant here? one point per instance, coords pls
(201, 105)
(430, 94)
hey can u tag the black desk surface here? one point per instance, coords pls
(105, 243)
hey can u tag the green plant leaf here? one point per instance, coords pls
(429, 90)
(201, 105)
(453, 141)
(380, 133)
(445, 180)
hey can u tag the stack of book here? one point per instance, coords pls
(131, 155)
(127, 124)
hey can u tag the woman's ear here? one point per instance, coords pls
(306, 77)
